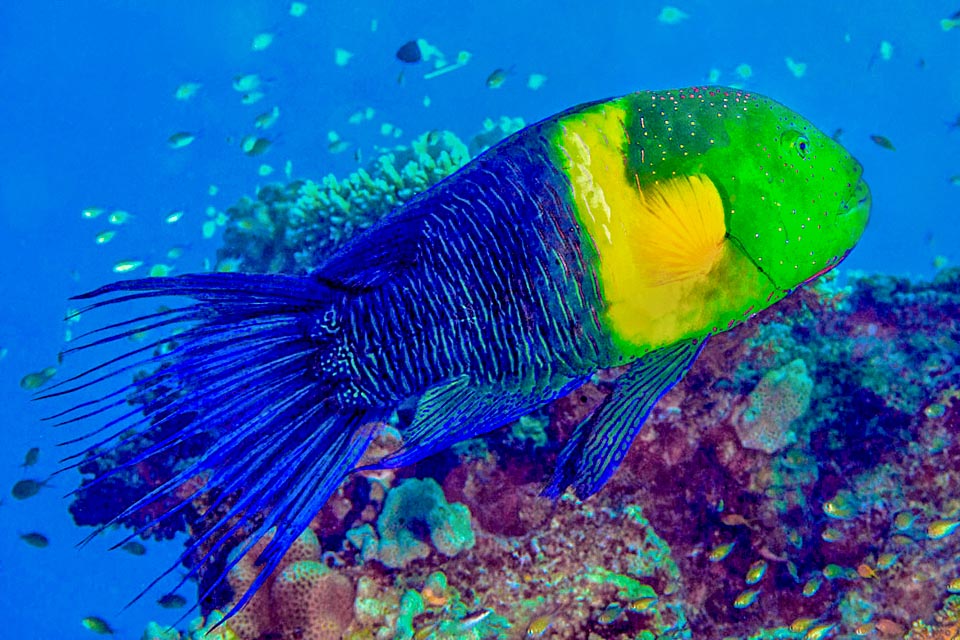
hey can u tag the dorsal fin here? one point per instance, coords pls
(378, 255)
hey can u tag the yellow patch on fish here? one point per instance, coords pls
(119, 217)
(831, 534)
(97, 624)
(904, 520)
(641, 605)
(125, 266)
(539, 626)
(496, 79)
(756, 572)
(105, 237)
(37, 379)
(811, 587)
(656, 242)
(842, 507)
(610, 613)
(833, 571)
(886, 560)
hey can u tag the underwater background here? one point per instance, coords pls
(154, 108)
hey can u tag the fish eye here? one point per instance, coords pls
(796, 141)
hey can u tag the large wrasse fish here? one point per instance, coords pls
(622, 231)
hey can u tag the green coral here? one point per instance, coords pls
(411, 605)
(529, 432)
(650, 559)
(653, 553)
(627, 588)
(291, 228)
(415, 511)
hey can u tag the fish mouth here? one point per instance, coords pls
(861, 201)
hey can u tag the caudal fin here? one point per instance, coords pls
(247, 374)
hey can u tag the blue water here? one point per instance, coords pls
(88, 105)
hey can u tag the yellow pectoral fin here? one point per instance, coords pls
(656, 242)
(656, 273)
(679, 229)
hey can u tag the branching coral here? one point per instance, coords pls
(293, 228)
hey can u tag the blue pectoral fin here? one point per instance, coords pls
(599, 443)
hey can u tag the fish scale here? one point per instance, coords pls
(619, 232)
(485, 243)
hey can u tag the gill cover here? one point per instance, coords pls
(796, 200)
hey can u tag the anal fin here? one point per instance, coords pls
(599, 443)
(458, 409)
(448, 412)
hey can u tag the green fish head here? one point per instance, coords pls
(798, 203)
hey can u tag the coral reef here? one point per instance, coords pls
(845, 530)
(414, 511)
(781, 396)
(292, 228)
(100, 497)
(946, 624)
(302, 599)
(801, 482)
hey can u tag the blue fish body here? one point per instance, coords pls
(563, 250)
(451, 303)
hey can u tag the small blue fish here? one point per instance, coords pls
(134, 548)
(27, 488)
(35, 539)
(172, 601)
(31, 457)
